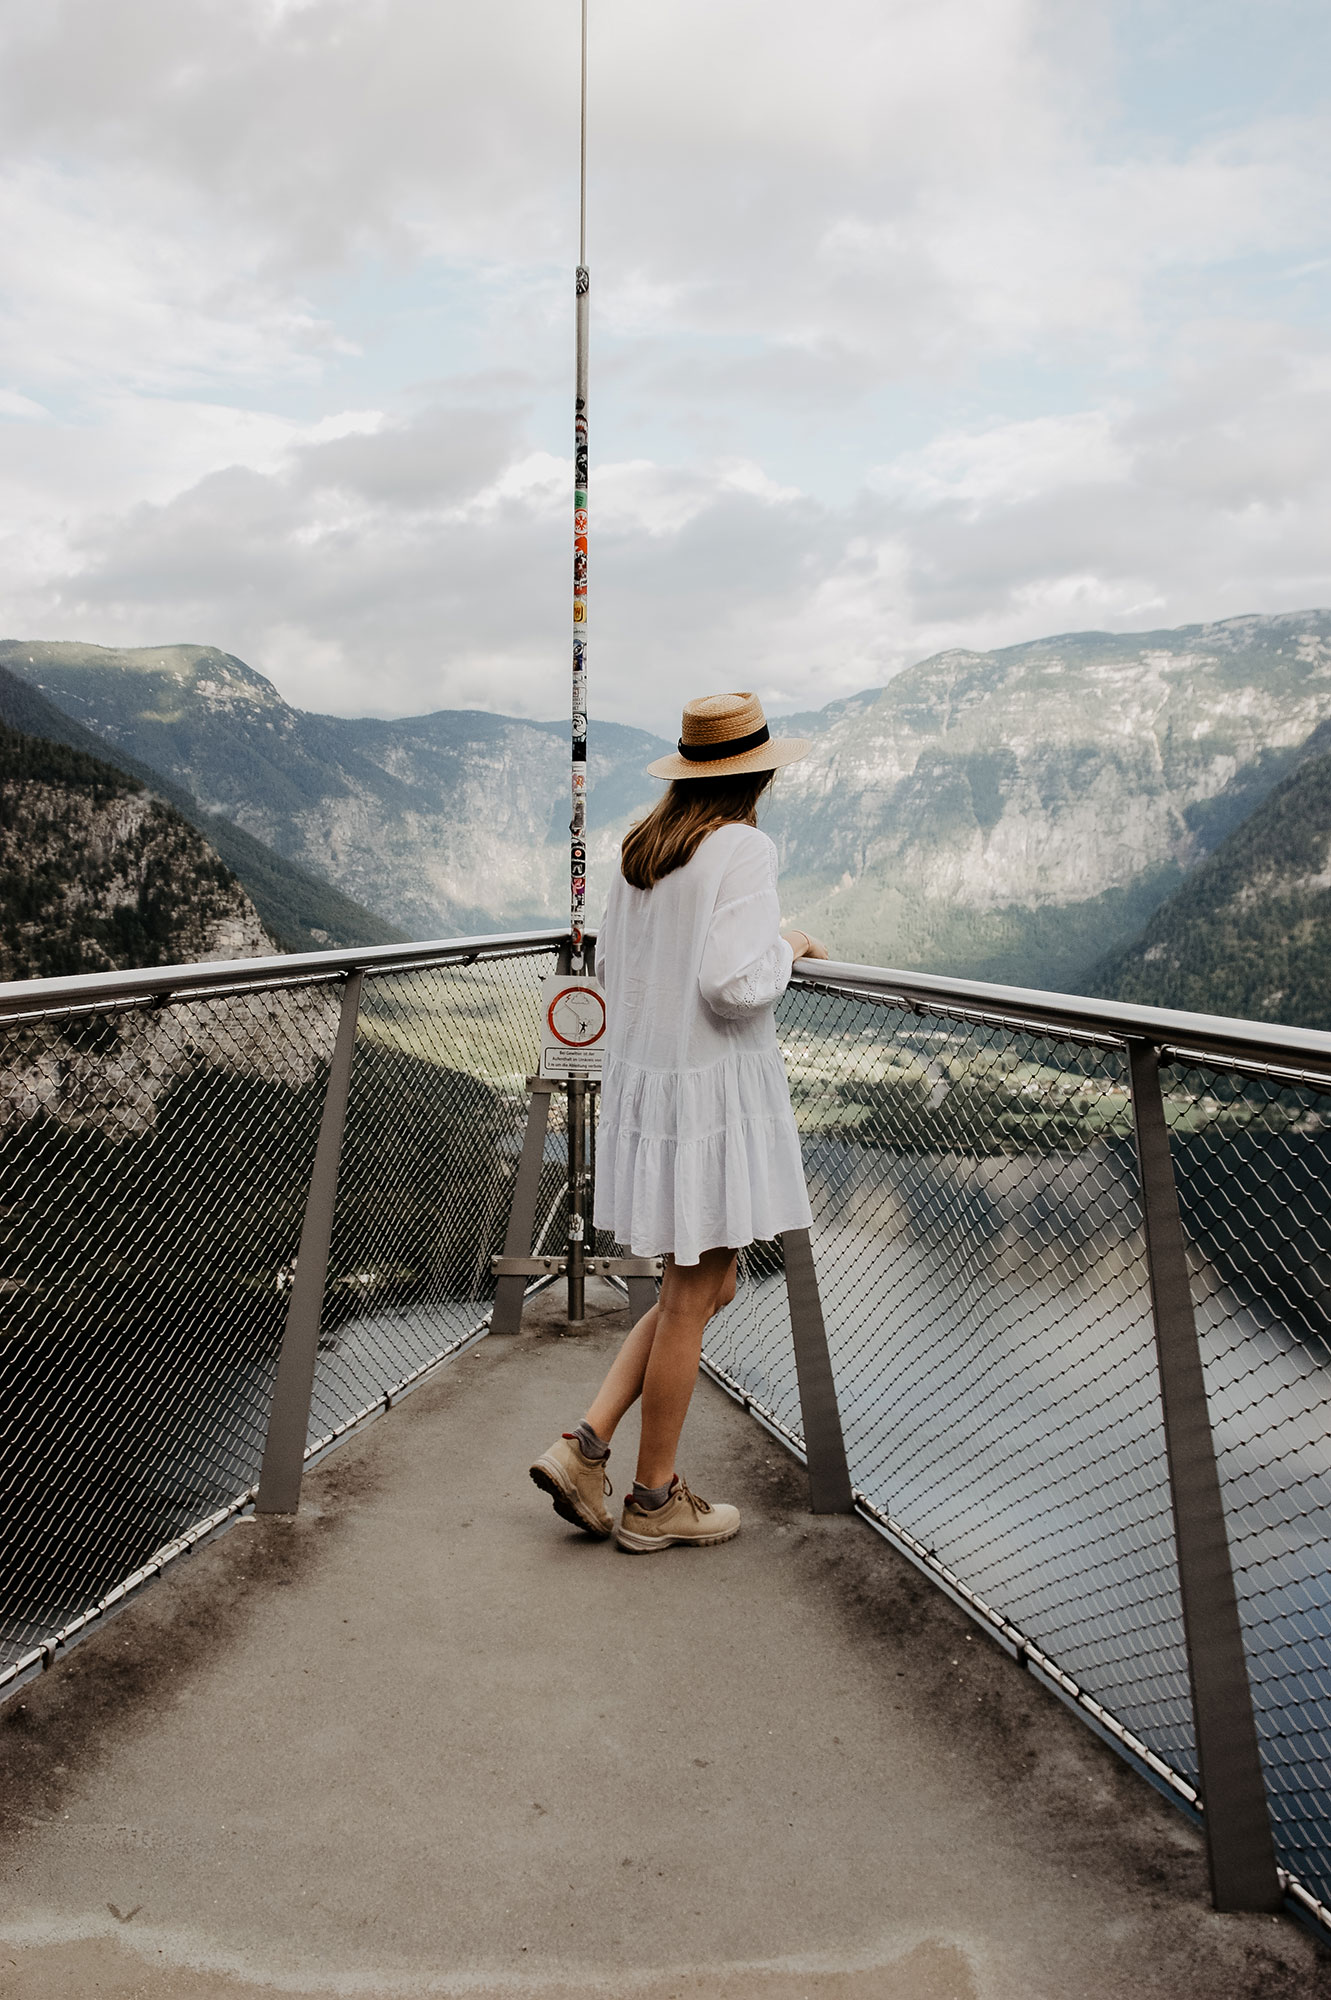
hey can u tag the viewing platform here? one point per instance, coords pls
(1016, 1682)
(424, 1738)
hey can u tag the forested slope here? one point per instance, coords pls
(301, 911)
(97, 874)
(1249, 932)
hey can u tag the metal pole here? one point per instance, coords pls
(1239, 1848)
(577, 1192)
(824, 1446)
(289, 1412)
(578, 823)
(506, 1313)
(582, 153)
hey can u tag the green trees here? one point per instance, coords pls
(95, 873)
(1249, 932)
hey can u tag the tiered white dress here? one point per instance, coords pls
(697, 1147)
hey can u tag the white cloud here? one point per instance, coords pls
(902, 338)
(12, 404)
(424, 563)
(1007, 462)
(110, 282)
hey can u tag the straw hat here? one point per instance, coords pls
(727, 733)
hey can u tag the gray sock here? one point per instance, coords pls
(588, 1443)
(651, 1497)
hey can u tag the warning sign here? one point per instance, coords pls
(572, 1027)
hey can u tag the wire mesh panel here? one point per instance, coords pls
(1252, 1159)
(750, 1343)
(979, 1252)
(153, 1169)
(435, 1119)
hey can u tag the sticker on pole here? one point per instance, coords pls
(572, 1026)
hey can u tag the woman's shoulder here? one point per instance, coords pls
(738, 837)
(744, 859)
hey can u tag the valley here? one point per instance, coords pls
(1019, 815)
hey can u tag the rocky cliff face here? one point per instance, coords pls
(96, 874)
(300, 910)
(1249, 932)
(1012, 814)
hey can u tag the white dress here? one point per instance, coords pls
(697, 1146)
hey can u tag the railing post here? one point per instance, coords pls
(820, 1418)
(289, 1413)
(642, 1297)
(506, 1313)
(1239, 1847)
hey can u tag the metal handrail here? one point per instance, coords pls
(35, 997)
(1287, 1050)
(1261, 1041)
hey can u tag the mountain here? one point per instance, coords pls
(1012, 815)
(1249, 932)
(813, 721)
(96, 874)
(446, 823)
(301, 911)
(1015, 815)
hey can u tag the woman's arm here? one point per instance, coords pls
(803, 943)
(746, 962)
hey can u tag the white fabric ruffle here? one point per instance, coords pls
(693, 1162)
(697, 1147)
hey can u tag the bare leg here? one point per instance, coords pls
(623, 1384)
(706, 1286)
(690, 1294)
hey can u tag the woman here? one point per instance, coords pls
(698, 1152)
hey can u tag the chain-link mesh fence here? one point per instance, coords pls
(435, 1122)
(977, 1212)
(980, 1261)
(154, 1166)
(980, 1258)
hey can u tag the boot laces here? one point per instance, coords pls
(602, 1462)
(695, 1500)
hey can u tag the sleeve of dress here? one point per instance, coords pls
(746, 962)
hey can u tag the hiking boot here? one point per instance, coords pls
(684, 1518)
(577, 1484)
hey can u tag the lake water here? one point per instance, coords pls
(991, 1337)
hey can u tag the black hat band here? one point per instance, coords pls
(735, 746)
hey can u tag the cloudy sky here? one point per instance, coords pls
(916, 323)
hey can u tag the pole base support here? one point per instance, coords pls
(595, 1267)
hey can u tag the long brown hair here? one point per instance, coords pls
(678, 824)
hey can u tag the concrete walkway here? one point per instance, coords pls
(426, 1739)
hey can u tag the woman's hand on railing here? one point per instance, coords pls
(802, 944)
